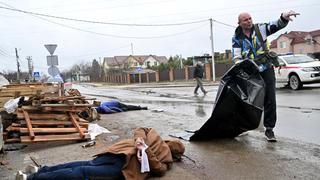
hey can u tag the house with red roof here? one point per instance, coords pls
(297, 42)
(133, 61)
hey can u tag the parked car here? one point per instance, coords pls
(296, 70)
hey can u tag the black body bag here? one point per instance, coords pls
(238, 106)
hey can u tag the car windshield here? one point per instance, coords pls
(298, 59)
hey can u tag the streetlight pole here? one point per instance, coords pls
(18, 66)
(212, 51)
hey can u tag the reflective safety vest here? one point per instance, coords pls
(251, 47)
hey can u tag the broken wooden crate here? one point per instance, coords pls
(12, 91)
(52, 122)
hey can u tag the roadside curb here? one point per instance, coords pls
(151, 85)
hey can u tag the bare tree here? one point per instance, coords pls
(95, 71)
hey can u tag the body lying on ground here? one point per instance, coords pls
(144, 155)
(114, 106)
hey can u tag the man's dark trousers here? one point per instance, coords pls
(270, 106)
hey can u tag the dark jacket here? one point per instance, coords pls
(198, 71)
(109, 107)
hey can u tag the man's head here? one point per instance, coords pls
(176, 148)
(245, 21)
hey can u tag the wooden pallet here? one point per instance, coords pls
(46, 138)
(39, 130)
(51, 119)
(12, 91)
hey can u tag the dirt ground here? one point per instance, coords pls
(249, 156)
(245, 157)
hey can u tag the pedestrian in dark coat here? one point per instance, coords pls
(198, 75)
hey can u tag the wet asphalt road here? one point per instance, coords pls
(296, 155)
(298, 111)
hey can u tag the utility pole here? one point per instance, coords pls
(131, 49)
(181, 64)
(212, 49)
(18, 66)
(30, 67)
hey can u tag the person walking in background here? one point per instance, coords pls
(198, 75)
(250, 42)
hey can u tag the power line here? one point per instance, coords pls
(219, 22)
(99, 22)
(119, 36)
(110, 35)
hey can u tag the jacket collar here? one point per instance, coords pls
(239, 33)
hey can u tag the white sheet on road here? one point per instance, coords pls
(94, 130)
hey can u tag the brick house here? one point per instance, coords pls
(298, 42)
(133, 61)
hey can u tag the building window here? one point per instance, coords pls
(309, 41)
(135, 64)
(155, 64)
(301, 51)
(283, 44)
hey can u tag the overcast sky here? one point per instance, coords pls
(82, 41)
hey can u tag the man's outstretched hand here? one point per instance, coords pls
(288, 15)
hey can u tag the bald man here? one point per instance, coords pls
(250, 42)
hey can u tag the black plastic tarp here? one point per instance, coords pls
(238, 106)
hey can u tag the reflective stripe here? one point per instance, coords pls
(255, 41)
(268, 45)
(255, 46)
(260, 52)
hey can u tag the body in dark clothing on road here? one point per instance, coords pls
(114, 106)
(145, 154)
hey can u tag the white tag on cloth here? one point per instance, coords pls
(144, 161)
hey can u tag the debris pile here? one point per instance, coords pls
(46, 116)
(12, 91)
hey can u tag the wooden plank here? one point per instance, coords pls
(53, 123)
(62, 98)
(66, 105)
(65, 109)
(38, 116)
(10, 89)
(46, 138)
(30, 108)
(12, 128)
(53, 130)
(27, 118)
(12, 140)
(28, 85)
(75, 123)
